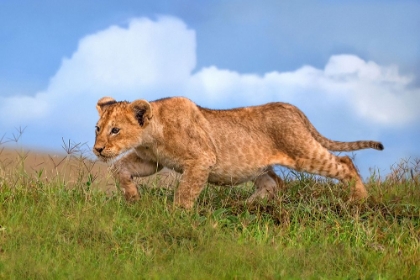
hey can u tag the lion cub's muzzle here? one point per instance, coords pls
(97, 150)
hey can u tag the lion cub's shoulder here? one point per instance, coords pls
(171, 106)
(173, 101)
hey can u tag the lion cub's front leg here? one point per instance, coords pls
(192, 183)
(131, 166)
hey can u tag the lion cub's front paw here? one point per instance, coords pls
(183, 203)
(131, 197)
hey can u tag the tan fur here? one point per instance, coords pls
(223, 147)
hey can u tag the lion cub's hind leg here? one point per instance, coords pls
(267, 185)
(353, 177)
(318, 160)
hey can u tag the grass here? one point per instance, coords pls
(55, 227)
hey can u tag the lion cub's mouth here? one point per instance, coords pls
(104, 157)
(109, 158)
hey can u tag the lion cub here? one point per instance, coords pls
(223, 147)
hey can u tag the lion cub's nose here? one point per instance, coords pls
(99, 149)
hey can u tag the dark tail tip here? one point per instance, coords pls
(379, 146)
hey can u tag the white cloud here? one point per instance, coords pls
(145, 54)
(23, 108)
(151, 59)
(375, 92)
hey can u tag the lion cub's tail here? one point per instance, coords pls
(348, 146)
(340, 146)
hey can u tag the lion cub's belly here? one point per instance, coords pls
(239, 159)
(234, 174)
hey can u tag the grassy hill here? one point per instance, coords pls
(60, 217)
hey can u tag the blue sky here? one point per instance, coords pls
(352, 66)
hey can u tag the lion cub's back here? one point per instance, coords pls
(246, 139)
(254, 127)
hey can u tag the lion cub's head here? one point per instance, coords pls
(120, 126)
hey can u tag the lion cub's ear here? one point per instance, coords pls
(103, 102)
(142, 111)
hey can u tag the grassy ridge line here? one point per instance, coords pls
(59, 227)
(62, 233)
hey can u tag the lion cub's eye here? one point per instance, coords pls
(97, 128)
(115, 130)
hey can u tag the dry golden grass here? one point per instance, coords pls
(71, 168)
